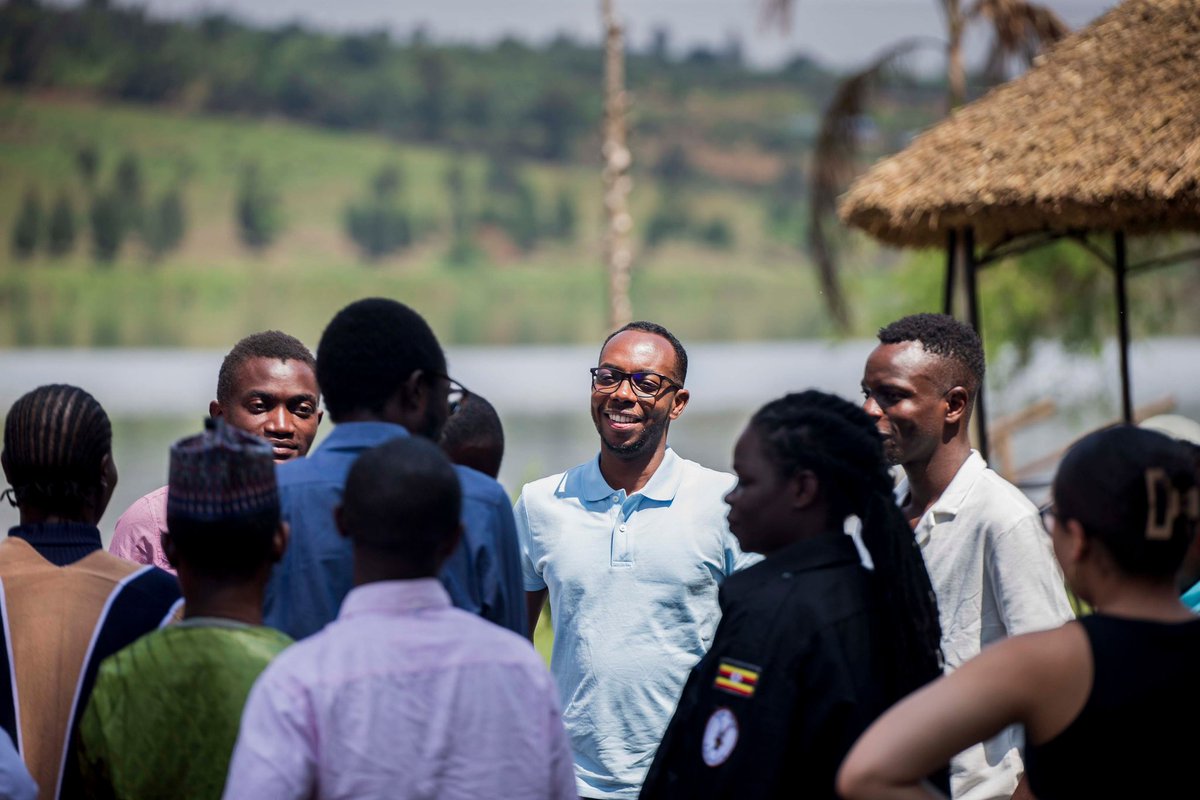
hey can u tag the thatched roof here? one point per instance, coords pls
(1103, 133)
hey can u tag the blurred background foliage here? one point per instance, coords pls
(166, 183)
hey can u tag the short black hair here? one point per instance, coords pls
(681, 359)
(943, 336)
(368, 350)
(474, 436)
(403, 497)
(55, 438)
(267, 344)
(1135, 490)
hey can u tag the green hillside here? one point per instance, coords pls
(213, 288)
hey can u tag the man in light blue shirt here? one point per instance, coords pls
(383, 376)
(631, 547)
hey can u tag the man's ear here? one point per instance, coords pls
(279, 541)
(678, 402)
(168, 548)
(1079, 546)
(215, 410)
(958, 404)
(803, 488)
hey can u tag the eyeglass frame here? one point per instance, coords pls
(454, 405)
(670, 383)
(1048, 514)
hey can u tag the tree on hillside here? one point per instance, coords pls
(1020, 30)
(60, 235)
(27, 229)
(165, 224)
(87, 161)
(108, 226)
(129, 191)
(380, 225)
(256, 210)
(433, 73)
(462, 249)
(566, 217)
(555, 115)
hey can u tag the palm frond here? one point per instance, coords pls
(1020, 30)
(835, 164)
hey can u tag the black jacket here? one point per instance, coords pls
(796, 672)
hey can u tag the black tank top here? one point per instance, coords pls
(1133, 738)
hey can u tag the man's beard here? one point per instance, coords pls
(652, 434)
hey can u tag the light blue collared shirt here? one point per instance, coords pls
(633, 583)
(482, 576)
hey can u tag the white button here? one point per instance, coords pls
(616, 498)
(622, 529)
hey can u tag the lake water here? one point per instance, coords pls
(157, 396)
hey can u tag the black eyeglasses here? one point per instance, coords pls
(457, 394)
(607, 380)
(1049, 515)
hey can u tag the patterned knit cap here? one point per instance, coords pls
(222, 474)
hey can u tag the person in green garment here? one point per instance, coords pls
(164, 714)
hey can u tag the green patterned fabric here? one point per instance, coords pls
(164, 714)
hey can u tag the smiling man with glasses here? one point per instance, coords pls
(383, 376)
(631, 548)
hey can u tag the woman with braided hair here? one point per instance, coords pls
(1093, 695)
(812, 645)
(65, 603)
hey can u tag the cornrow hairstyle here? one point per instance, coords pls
(944, 336)
(681, 360)
(54, 440)
(368, 350)
(1135, 490)
(275, 345)
(838, 442)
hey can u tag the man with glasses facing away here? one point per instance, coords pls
(632, 547)
(382, 373)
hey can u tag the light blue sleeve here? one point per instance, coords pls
(15, 781)
(533, 580)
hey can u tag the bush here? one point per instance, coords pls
(716, 233)
(165, 225)
(60, 236)
(28, 228)
(257, 210)
(108, 226)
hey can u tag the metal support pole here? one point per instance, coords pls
(951, 268)
(1119, 270)
(977, 324)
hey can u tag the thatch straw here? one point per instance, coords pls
(1103, 133)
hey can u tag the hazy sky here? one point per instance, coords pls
(839, 32)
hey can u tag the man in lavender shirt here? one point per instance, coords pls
(267, 386)
(403, 696)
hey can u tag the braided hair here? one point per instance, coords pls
(54, 440)
(838, 442)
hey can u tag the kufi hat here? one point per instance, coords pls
(222, 474)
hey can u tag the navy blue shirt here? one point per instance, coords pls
(307, 587)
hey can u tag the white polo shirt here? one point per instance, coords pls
(993, 570)
(633, 583)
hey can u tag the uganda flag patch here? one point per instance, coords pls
(736, 678)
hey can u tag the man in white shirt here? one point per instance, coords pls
(403, 696)
(988, 556)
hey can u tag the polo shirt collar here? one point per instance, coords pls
(948, 505)
(663, 484)
(394, 597)
(361, 435)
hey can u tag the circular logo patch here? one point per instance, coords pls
(720, 737)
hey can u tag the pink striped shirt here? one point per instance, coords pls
(137, 534)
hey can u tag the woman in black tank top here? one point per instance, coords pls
(1093, 695)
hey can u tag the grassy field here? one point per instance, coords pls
(212, 289)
